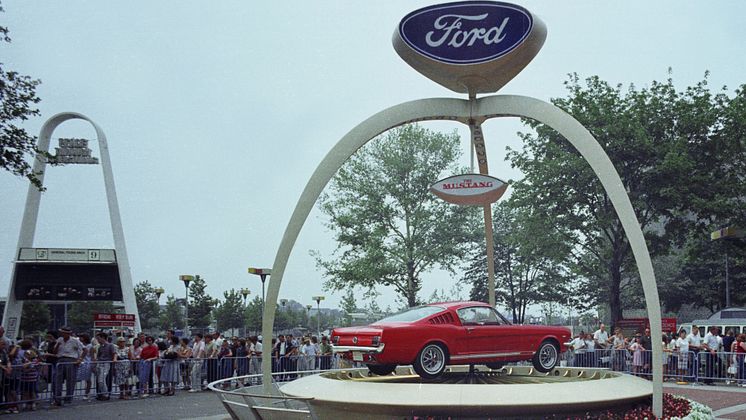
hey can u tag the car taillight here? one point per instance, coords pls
(376, 340)
(335, 339)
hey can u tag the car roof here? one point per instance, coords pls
(458, 304)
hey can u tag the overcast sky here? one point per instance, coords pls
(217, 113)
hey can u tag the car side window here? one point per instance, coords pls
(478, 315)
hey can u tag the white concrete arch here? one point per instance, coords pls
(14, 307)
(459, 110)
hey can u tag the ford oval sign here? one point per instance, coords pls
(471, 46)
(467, 32)
(469, 189)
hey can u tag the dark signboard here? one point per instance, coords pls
(68, 282)
(469, 32)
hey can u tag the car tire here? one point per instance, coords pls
(431, 361)
(381, 370)
(495, 365)
(546, 357)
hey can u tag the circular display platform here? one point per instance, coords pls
(513, 391)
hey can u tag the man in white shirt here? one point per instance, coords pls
(601, 340)
(578, 349)
(198, 353)
(69, 351)
(695, 344)
(709, 349)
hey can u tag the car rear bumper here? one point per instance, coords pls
(362, 349)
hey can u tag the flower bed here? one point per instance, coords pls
(674, 408)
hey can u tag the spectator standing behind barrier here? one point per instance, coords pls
(637, 350)
(225, 361)
(619, 348)
(740, 350)
(325, 350)
(170, 371)
(590, 351)
(198, 354)
(256, 350)
(6, 371)
(710, 347)
(46, 353)
(123, 369)
(84, 370)
(695, 344)
(148, 355)
(105, 356)
(241, 352)
(69, 351)
(211, 353)
(682, 347)
(578, 349)
(647, 355)
(601, 340)
(29, 374)
(185, 356)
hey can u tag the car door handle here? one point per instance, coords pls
(469, 330)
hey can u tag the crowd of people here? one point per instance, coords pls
(683, 353)
(67, 366)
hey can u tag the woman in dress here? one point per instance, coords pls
(84, 370)
(170, 369)
(123, 369)
(682, 348)
(636, 348)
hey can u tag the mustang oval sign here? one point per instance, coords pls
(469, 189)
(470, 46)
(467, 32)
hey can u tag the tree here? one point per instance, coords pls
(18, 96)
(200, 304)
(230, 313)
(348, 306)
(253, 314)
(527, 263)
(389, 228)
(147, 305)
(172, 316)
(663, 144)
(80, 314)
(35, 317)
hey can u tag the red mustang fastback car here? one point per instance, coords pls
(433, 336)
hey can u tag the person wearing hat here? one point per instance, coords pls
(69, 351)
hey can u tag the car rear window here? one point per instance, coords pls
(413, 314)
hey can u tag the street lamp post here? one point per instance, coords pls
(245, 293)
(318, 300)
(727, 232)
(186, 279)
(158, 292)
(262, 273)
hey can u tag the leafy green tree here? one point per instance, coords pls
(389, 228)
(17, 104)
(253, 315)
(348, 305)
(35, 317)
(147, 305)
(200, 304)
(527, 263)
(172, 316)
(663, 144)
(80, 314)
(230, 313)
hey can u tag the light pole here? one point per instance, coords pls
(186, 279)
(727, 232)
(158, 292)
(245, 293)
(318, 300)
(262, 273)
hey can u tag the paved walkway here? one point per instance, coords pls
(727, 402)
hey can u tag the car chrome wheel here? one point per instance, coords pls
(431, 361)
(546, 357)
